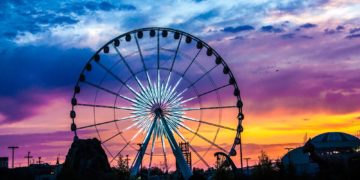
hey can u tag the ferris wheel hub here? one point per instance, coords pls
(158, 111)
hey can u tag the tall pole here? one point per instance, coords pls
(13, 152)
(127, 161)
(247, 165)
(28, 157)
(241, 155)
(39, 162)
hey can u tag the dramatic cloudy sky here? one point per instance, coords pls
(297, 63)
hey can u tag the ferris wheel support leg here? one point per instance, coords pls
(184, 168)
(139, 158)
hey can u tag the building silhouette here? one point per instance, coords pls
(327, 145)
(4, 162)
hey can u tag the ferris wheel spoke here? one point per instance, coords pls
(158, 51)
(152, 152)
(202, 137)
(128, 67)
(134, 137)
(171, 93)
(164, 151)
(123, 59)
(117, 78)
(106, 122)
(142, 60)
(206, 108)
(208, 123)
(104, 106)
(115, 94)
(176, 52)
(145, 143)
(192, 148)
(202, 94)
(202, 76)
(107, 150)
(197, 80)
(192, 61)
(158, 63)
(112, 137)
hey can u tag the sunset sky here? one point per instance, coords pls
(297, 63)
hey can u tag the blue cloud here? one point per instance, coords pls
(297, 6)
(340, 28)
(127, 7)
(32, 16)
(206, 15)
(306, 37)
(64, 20)
(91, 6)
(105, 6)
(352, 36)
(288, 36)
(41, 67)
(29, 71)
(308, 25)
(354, 30)
(329, 31)
(271, 29)
(238, 28)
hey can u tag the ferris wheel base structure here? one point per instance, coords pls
(184, 168)
(156, 97)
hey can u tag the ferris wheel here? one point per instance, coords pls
(146, 92)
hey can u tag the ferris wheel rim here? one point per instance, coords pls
(170, 30)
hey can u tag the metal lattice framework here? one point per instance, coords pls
(158, 91)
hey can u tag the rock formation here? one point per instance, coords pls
(86, 160)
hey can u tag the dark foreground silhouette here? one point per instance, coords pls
(86, 160)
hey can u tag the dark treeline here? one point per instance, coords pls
(264, 169)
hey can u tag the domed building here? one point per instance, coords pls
(326, 145)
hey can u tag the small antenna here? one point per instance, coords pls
(28, 157)
(305, 138)
(39, 160)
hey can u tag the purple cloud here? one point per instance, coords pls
(308, 25)
(238, 29)
(26, 104)
(271, 29)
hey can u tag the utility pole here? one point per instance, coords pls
(247, 165)
(127, 161)
(28, 157)
(58, 160)
(39, 160)
(13, 152)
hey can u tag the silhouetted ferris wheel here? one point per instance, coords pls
(158, 87)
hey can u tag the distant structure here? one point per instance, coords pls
(4, 162)
(357, 134)
(247, 165)
(12, 154)
(39, 160)
(186, 153)
(28, 158)
(325, 144)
